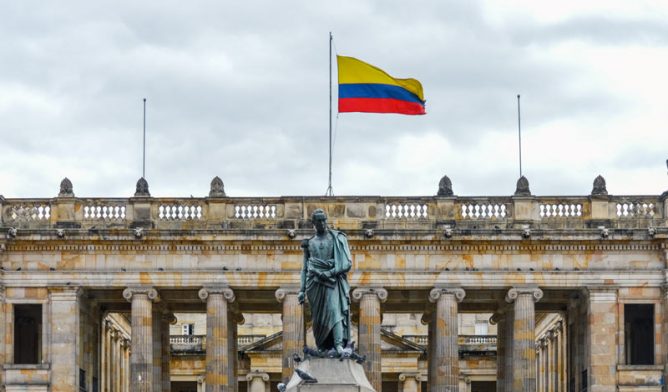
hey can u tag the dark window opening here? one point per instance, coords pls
(27, 334)
(639, 334)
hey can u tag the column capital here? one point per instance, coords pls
(150, 292)
(497, 317)
(251, 375)
(417, 376)
(426, 318)
(360, 292)
(281, 293)
(437, 292)
(515, 292)
(227, 293)
(169, 317)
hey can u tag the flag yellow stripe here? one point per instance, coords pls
(354, 71)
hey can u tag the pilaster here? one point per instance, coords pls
(220, 360)
(3, 327)
(141, 360)
(446, 347)
(293, 327)
(524, 337)
(370, 299)
(65, 339)
(166, 319)
(602, 321)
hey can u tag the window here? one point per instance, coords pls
(27, 334)
(639, 334)
(481, 327)
(188, 329)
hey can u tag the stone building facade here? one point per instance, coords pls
(159, 294)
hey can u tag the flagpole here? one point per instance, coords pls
(143, 167)
(519, 131)
(330, 191)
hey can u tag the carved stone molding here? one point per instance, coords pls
(66, 188)
(142, 188)
(445, 187)
(360, 292)
(522, 188)
(150, 292)
(281, 293)
(515, 292)
(599, 188)
(227, 293)
(217, 188)
(437, 292)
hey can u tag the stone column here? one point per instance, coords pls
(499, 319)
(141, 361)
(554, 361)
(410, 382)
(369, 331)
(664, 325)
(121, 365)
(201, 385)
(65, 336)
(157, 348)
(427, 319)
(220, 375)
(106, 358)
(293, 328)
(257, 382)
(539, 366)
(3, 359)
(446, 347)
(166, 352)
(115, 364)
(602, 340)
(508, 335)
(524, 337)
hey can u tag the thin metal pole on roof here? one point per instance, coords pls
(330, 190)
(519, 131)
(143, 168)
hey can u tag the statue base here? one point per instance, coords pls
(333, 375)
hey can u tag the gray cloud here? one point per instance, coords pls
(240, 91)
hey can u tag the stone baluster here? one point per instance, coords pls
(65, 339)
(293, 327)
(141, 361)
(220, 360)
(602, 340)
(410, 382)
(370, 299)
(257, 382)
(524, 337)
(499, 319)
(446, 347)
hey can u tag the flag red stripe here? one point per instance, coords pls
(379, 105)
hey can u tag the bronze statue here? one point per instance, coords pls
(327, 260)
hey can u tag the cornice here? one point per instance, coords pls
(294, 247)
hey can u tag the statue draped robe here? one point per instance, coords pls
(329, 297)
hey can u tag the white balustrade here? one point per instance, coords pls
(560, 210)
(29, 212)
(104, 212)
(406, 211)
(180, 212)
(636, 209)
(484, 211)
(255, 212)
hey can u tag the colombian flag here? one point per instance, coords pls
(366, 88)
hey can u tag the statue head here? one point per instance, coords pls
(319, 220)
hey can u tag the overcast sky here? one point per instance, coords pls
(239, 89)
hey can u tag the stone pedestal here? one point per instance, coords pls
(445, 348)
(369, 331)
(524, 337)
(333, 375)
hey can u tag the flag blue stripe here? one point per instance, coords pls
(372, 90)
